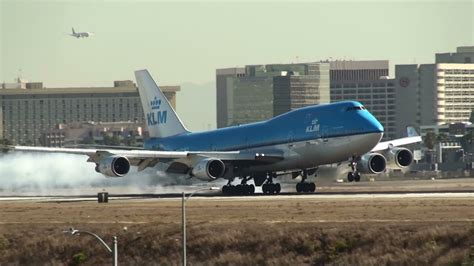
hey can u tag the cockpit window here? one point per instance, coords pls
(355, 108)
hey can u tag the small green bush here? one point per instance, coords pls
(78, 259)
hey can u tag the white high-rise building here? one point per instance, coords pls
(430, 94)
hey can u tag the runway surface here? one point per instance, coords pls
(428, 188)
(220, 197)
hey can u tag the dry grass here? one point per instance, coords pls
(236, 232)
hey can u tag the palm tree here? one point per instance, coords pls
(429, 140)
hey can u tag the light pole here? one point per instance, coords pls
(183, 215)
(113, 251)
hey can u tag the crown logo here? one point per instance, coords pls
(155, 103)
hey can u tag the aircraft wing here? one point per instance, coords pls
(396, 142)
(413, 137)
(93, 152)
(149, 158)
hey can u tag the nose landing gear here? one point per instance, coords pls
(354, 175)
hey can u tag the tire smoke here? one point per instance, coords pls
(45, 173)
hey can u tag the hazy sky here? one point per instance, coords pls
(182, 43)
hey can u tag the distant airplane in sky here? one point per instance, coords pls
(296, 142)
(80, 34)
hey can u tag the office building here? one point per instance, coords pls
(463, 55)
(433, 94)
(260, 92)
(103, 133)
(26, 113)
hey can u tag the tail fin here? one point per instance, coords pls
(411, 132)
(73, 31)
(160, 117)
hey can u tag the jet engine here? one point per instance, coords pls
(371, 163)
(208, 169)
(399, 157)
(113, 166)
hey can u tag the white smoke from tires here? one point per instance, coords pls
(42, 173)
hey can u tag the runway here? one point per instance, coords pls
(256, 197)
(439, 188)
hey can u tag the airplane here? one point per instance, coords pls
(80, 34)
(295, 142)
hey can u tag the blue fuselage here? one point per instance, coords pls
(308, 123)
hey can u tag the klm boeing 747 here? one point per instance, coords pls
(296, 143)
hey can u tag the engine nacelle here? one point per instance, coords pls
(371, 163)
(208, 169)
(399, 158)
(113, 166)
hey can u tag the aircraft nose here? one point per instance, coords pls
(373, 124)
(377, 126)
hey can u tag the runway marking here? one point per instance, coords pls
(340, 196)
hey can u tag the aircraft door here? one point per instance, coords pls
(325, 134)
(291, 136)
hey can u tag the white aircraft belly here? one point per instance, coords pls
(307, 154)
(311, 153)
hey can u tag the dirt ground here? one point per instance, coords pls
(296, 230)
(329, 229)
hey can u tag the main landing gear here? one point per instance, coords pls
(269, 187)
(264, 180)
(242, 189)
(354, 175)
(304, 186)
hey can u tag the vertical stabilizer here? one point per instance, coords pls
(73, 31)
(411, 132)
(161, 119)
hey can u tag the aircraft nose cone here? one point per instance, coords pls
(377, 126)
(373, 124)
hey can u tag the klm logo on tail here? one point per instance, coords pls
(156, 116)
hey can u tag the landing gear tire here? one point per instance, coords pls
(251, 189)
(305, 187)
(299, 187)
(271, 188)
(225, 189)
(238, 190)
(353, 177)
(356, 177)
(350, 176)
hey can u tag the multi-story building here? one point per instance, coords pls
(94, 133)
(464, 54)
(26, 113)
(259, 92)
(428, 94)
(368, 83)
